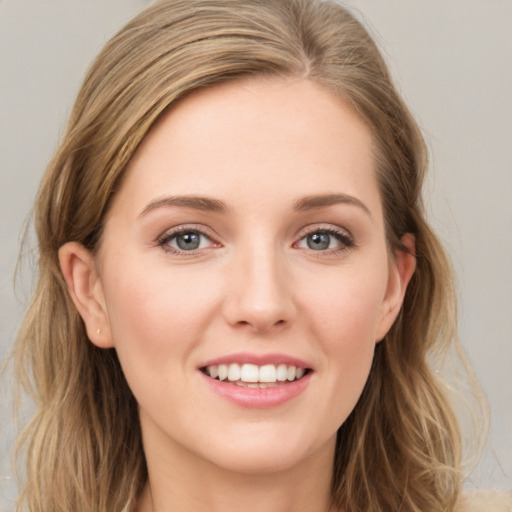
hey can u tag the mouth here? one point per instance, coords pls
(255, 376)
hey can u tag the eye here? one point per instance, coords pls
(318, 241)
(185, 240)
(331, 240)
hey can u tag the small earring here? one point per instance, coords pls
(98, 331)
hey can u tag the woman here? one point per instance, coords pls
(240, 303)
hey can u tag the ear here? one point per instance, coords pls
(402, 267)
(85, 288)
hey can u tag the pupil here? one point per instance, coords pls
(318, 241)
(188, 241)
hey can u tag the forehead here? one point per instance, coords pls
(256, 139)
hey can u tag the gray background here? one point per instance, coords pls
(452, 60)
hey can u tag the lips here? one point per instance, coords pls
(257, 381)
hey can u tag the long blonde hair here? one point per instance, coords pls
(400, 449)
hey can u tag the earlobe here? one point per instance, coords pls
(401, 270)
(85, 288)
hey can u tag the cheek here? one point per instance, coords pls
(348, 308)
(156, 317)
(346, 322)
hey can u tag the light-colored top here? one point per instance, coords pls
(478, 501)
(488, 501)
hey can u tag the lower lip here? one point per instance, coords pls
(257, 398)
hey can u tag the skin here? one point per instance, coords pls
(253, 285)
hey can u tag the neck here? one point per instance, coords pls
(185, 483)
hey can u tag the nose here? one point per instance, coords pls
(259, 290)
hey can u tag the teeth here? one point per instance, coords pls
(233, 372)
(251, 375)
(282, 372)
(268, 373)
(290, 375)
(223, 371)
(261, 385)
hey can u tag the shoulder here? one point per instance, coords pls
(487, 501)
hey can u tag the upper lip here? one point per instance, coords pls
(257, 359)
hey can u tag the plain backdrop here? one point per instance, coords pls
(452, 60)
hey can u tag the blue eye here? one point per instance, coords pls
(185, 240)
(325, 240)
(318, 241)
(188, 241)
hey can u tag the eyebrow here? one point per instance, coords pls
(195, 202)
(317, 202)
(202, 203)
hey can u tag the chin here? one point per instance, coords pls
(254, 453)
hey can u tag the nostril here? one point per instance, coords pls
(260, 325)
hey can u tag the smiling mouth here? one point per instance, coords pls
(254, 376)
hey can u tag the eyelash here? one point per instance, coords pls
(343, 237)
(346, 240)
(163, 240)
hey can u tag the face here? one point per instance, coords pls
(247, 240)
